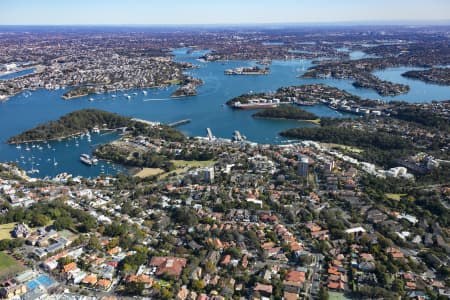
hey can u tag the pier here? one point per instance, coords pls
(178, 123)
(210, 134)
(145, 122)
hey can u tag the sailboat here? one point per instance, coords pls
(55, 163)
(33, 170)
(18, 146)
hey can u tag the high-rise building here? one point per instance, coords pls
(303, 166)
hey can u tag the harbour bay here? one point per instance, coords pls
(207, 109)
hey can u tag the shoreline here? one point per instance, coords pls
(53, 139)
(75, 96)
(313, 121)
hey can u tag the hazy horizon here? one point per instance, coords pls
(231, 12)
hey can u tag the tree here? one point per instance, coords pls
(116, 229)
(323, 293)
(185, 216)
(94, 243)
(88, 224)
(198, 285)
(210, 267)
(134, 288)
(39, 219)
(63, 223)
(62, 261)
(398, 286)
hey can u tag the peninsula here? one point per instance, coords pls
(287, 112)
(188, 88)
(78, 92)
(433, 75)
(74, 123)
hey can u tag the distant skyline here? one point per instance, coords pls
(191, 12)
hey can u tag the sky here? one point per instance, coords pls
(153, 12)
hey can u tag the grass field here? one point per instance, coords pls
(173, 81)
(5, 230)
(336, 296)
(395, 197)
(8, 265)
(315, 121)
(146, 172)
(182, 166)
(343, 147)
(192, 164)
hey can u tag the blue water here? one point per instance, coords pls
(42, 280)
(45, 280)
(274, 43)
(31, 285)
(17, 74)
(207, 109)
(420, 91)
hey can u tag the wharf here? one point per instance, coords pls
(178, 123)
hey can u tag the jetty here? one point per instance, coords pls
(145, 122)
(178, 123)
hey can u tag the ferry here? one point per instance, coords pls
(255, 105)
(86, 159)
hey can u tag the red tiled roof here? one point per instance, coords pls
(170, 265)
(336, 285)
(226, 260)
(265, 288)
(140, 278)
(69, 267)
(290, 296)
(293, 275)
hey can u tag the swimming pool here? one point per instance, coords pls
(41, 280)
(31, 285)
(44, 280)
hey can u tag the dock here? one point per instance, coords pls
(145, 122)
(178, 123)
(210, 134)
